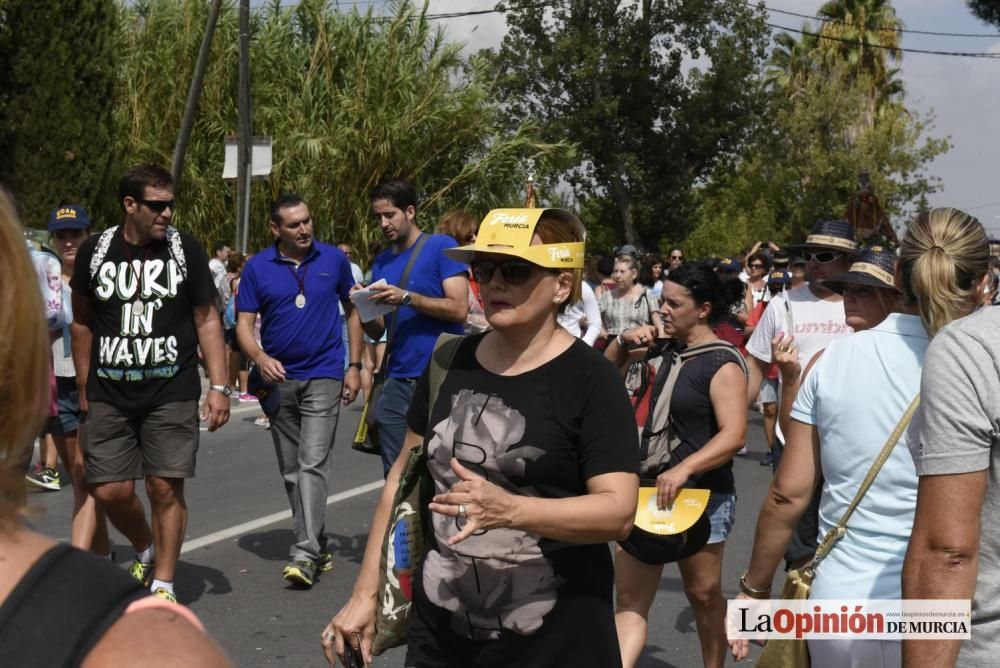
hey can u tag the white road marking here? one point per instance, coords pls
(246, 527)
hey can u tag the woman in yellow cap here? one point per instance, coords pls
(533, 471)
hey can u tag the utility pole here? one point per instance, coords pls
(194, 93)
(245, 132)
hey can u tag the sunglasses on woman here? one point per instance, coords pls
(513, 272)
(823, 257)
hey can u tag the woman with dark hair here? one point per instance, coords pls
(757, 268)
(709, 416)
(651, 274)
(532, 475)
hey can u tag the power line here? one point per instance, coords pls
(961, 54)
(881, 27)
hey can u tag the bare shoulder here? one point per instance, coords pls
(156, 638)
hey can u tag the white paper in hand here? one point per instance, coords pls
(369, 310)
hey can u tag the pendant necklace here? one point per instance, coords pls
(300, 299)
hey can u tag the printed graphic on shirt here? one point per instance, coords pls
(497, 579)
(141, 287)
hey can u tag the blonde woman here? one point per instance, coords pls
(123, 620)
(851, 400)
(629, 304)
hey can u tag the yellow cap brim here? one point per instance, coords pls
(689, 505)
(510, 232)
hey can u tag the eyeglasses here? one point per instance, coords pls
(157, 205)
(676, 257)
(514, 272)
(823, 257)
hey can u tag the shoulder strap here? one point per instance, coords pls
(394, 318)
(837, 532)
(174, 245)
(101, 249)
(660, 414)
(176, 249)
(61, 607)
(441, 359)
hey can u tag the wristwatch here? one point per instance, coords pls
(405, 301)
(355, 365)
(224, 389)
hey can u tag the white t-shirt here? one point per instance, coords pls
(814, 322)
(584, 310)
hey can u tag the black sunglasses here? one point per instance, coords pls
(676, 257)
(514, 272)
(157, 205)
(757, 265)
(823, 257)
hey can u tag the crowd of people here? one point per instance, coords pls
(585, 391)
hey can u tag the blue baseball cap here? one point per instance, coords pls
(729, 264)
(68, 217)
(779, 278)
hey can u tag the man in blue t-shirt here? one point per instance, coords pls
(298, 286)
(434, 300)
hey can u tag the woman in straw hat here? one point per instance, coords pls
(532, 476)
(852, 399)
(123, 620)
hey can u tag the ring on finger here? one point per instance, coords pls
(328, 636)
(461, 510)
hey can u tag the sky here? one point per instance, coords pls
(963, 94)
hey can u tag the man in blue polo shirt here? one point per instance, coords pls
(297, 286)
(434, 300)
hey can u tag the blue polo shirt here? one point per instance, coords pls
(413, 342)
(307, 341)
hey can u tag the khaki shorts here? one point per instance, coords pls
(132, 444)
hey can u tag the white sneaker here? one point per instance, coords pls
(262, 421)
(742, 452)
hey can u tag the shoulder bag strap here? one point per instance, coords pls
(837, 532)
(394, 318)
(441, 359)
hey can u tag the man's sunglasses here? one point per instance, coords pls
(157, 205)
(513, 272)
(823, 257)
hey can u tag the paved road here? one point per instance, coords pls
(238, 537)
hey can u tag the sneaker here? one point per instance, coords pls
(165, 594)
(768, 459)
(300, 573)
(325, 562)
(44, 477)
(263, 421)
(742, 452)
(247, 397)
(142, 573)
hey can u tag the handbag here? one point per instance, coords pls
(798, 582)
(366, 437)
(407, 534)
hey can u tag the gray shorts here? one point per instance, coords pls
(129, 445)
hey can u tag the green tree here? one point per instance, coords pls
(57, 90)
(802, 168)
(654, 94)
(987, 10)
(348, 98)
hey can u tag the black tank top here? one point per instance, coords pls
(61, 607)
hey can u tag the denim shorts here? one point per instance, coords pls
(721, 515)
(67, 418)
